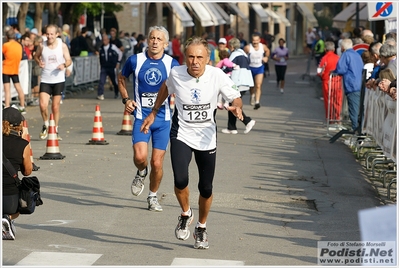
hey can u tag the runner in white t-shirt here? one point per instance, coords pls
(258, 54)
(196, 87)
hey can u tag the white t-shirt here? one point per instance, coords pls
(52, 58)
(193, 121)
(310, 37)
(256, 56)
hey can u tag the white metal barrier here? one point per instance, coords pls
(379, 120)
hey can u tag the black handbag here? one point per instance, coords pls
(29, 189)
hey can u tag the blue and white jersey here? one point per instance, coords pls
(148, 76)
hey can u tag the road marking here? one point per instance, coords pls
(56, 222)
(59, 259)
(66, 247)
(204, 262)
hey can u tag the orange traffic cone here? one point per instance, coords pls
(127, 125)
(53, 151)
(98, 133)
(26, 134)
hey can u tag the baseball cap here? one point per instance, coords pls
(13, 116)
(222, 41)
(34, 31)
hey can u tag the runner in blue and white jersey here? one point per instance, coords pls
(196, 87)
(149, 69)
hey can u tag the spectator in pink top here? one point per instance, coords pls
(227, 66)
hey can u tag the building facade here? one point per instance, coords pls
(283, 20)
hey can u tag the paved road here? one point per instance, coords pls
(278, 190)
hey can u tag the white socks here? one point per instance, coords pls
(186, 213)
(201, 225)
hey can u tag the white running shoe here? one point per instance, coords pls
(227, 131)
(181, 231)
(153, 204)
(44, 133)
(201, 238)
(138, 183)
(8, 229)
(249, 126)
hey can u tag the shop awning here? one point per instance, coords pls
(305, 11)
(201, 13)
(217, 18)
(225, 16)
(235, 8)
(261, 12)
(181, 11)
(273, 15)
(284, 20)
(340, 20)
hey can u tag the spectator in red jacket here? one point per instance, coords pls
(177, 54)
(327, 64)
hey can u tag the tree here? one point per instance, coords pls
(23, 10)
(53, 9)
(70, 11)
(5, 12)
(38, 16)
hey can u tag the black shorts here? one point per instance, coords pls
(181, 155)
(8, 77)
(52, 89)
(10, 204)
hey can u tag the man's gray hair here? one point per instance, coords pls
(235, 43)
(10, 34)
(375, 49)
(330, 46)
(196, 40)
(390, 41)
(161, 29)
(347, 44)
(387, 51)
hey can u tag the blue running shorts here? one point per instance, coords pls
(257, 70)
(159, 132)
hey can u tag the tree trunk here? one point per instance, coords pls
(23, 10)
(38, 17)
(53, 9)
(5, 12)
(68, 17)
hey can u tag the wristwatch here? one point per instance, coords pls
(124, 100)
